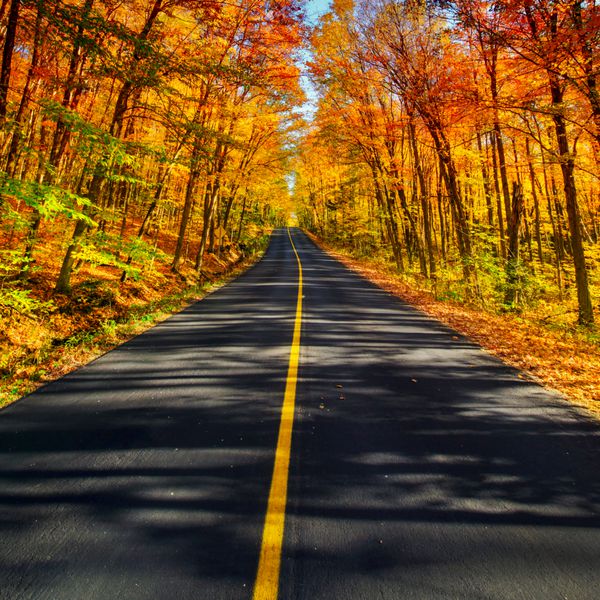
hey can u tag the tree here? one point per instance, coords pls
(429, 114)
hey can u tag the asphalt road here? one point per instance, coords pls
(421, 466)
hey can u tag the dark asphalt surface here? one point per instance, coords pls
(434, 471)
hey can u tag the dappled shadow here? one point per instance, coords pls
(422, 467)
(146, 474)
(425, 464)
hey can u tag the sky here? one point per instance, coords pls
(314, 9)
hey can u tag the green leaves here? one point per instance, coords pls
(109, 250)
(92, 141)
(14, 299)
(48, 200)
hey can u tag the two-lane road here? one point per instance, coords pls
(421, 467)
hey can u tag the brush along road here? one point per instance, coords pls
(405, 462)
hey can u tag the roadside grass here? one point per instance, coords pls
(549, 350)
(35, 350)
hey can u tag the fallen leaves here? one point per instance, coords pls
(566, 363)
(76, 333)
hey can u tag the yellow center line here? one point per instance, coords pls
(266, 586)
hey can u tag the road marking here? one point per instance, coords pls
(266, 586)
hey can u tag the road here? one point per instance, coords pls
(421, 467)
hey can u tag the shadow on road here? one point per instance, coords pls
(146, 474)
(422, 461)
(419, 462)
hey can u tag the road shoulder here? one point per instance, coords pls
(557, 361)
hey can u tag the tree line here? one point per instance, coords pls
(462, 139)
(123, 120)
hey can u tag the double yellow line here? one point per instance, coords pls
(266, 586)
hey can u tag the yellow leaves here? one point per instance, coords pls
(569, 364)
(342, 8)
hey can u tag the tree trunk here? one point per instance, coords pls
(7, 55)
(72, 92)
(512, 263)
(17, 133)
(588, 48)
(450, 177)
(567, 166)
(185, 217)
(501, 230)
(390, 222)
(129, 85)
(487, 191)
(63, 283)
(210, 203)
(536, 203)
(427, 226)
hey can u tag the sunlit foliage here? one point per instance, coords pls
(460, 140)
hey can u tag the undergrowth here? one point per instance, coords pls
(41, 341)
(540, 338)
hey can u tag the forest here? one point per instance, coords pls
(460, 142)
(147, 147)
(137, 140)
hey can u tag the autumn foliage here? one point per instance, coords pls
(146, 143)
(120, 115)
(460, 140)
(137, 138)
